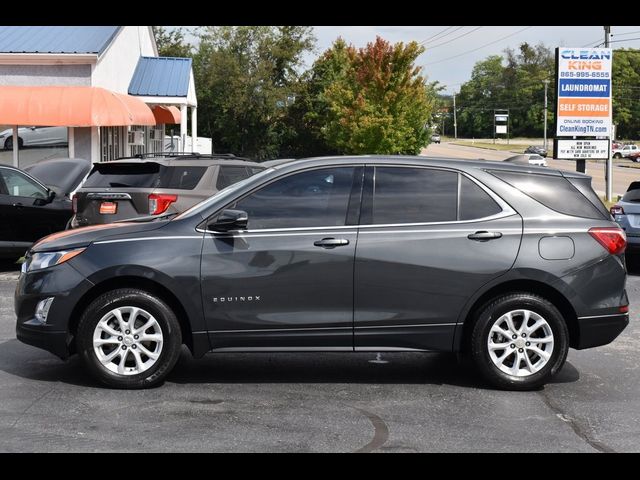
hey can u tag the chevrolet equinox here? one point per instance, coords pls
(509, 264)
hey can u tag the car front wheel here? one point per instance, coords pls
(128, 338)
(519, 341)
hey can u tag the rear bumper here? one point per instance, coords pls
(600, 330)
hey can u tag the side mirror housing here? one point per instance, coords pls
(229, 220)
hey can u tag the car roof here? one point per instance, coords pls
(465, 165)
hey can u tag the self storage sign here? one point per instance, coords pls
(584, 92)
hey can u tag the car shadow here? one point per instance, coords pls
(237, 368)
(633, 265)
(9, 266)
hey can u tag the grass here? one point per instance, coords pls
(491, 146)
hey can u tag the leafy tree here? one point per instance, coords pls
(514, 81)
(371, 100)
(247, 79)
(626, 93)
(171, 43)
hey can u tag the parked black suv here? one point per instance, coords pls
(511, 264)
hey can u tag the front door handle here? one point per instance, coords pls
(17, 205)
(331, 242)
(484, 236)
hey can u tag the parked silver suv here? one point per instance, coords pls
(154, 185)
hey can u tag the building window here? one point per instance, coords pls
(112, 144)
(145, 139)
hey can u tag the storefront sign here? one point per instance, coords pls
(590, 149)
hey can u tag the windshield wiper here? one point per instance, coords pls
(148, 218)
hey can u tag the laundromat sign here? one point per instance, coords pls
(584, 92)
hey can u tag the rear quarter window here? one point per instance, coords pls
(554, 192)
(228, 175)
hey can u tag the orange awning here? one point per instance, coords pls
(71, 107)
(167, 114)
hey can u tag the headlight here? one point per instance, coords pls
(41, 260)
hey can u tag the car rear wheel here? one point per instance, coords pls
(519, 341)
(8, 143)
(617, 155)
(129, 338)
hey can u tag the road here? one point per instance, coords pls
(319, 403)
(622, 176)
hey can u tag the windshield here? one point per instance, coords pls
(225, 192)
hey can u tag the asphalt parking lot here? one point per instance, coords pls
(319, 402)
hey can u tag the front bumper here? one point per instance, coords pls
(67, 286)
(600, 330)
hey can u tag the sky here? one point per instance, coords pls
(452, 51)
(443, 43)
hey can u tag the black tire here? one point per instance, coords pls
(617, 155)
(8, 143)
(481, 331)
(172, 338)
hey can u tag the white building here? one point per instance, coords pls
(106, 84)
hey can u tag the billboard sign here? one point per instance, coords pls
(583, 92)
(578, 149)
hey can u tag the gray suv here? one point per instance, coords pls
(509, 264)
(154, 185)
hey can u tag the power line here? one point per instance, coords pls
(453, 39)
(434, 36)
(479, 48)
(625, 40)
(446, 34)
(625, 33)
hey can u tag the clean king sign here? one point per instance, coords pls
(584, 92)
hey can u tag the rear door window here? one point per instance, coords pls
(414, 195)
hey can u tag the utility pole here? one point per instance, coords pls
(609, 169)
(455, 118)
(546, 86)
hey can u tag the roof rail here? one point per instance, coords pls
(185, 155)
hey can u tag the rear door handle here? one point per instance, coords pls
(484, 236)
(331, 242)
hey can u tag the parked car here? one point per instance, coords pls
(634, 157)
(153, 185)
(625, 151)
(528, 159)
(513, 265)
(536, 150)
(626, 213)
(34, 136)
(435, 138)
(28, 211)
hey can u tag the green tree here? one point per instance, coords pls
(626, 93)
(372, 100)
(247, 79)
(514, 81)
(171, 43)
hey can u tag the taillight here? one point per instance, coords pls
(616, 210)
(159, 202)
(74, 203)
(612, 239)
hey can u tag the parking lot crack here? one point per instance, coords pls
(34, 402)
(381, 432)
(578, 429)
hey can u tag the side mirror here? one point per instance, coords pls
(229, 220)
